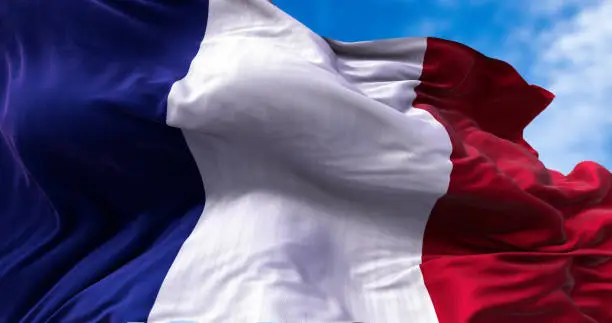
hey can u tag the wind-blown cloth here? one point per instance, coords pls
(217, 161)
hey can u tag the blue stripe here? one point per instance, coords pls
(97, 192)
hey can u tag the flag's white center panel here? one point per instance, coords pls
(319, 176)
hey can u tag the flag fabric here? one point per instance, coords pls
(217, 161)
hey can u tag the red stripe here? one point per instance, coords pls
(511, 241)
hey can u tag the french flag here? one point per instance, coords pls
(217, 161)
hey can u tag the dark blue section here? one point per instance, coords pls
(97, 194)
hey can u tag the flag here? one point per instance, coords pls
(217, 161)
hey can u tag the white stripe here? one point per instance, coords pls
(319, 179)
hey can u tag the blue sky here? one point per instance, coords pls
(562, 45)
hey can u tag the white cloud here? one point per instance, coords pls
(573, 60)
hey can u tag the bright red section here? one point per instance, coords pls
(511, 241)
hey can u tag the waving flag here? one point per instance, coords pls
(217, 161)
